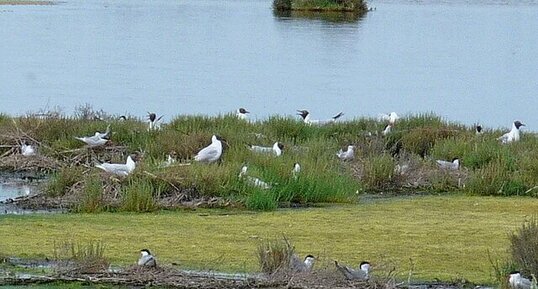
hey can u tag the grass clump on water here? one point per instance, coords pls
(357, 6)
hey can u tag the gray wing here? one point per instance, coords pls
(206, 154)
(351, 274)
(523, 283)
(296, 265)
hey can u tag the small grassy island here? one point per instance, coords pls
(354, 6)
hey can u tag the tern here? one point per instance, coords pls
(305, 114)
(242, 113)
(154, 122)
(513, 134)
(362, 273)
(146, 259)
(478, 129)
(121, 170)
(252, 180)
(349, 154)
(297, 265)
(391, 117)
(453, 165)
(27, 150)
(276, 149)
(93, 141)
(210, 153)
(517, 281)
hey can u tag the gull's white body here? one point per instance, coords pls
(453, 165)
(362, 273)
(301, 266)
(275, 149)
(210, 153)
(252, 180)
(517, 281)
(391, 117)
(121, 170)
(349, 154)
(146, 259)
(27, 150)
(93, 141)
(296, 170)
(511, 136)
(308, 120)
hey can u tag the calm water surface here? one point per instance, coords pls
(466, 60)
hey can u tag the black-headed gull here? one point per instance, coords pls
(154, 122)
(516, 281)
(347, 155)
(391, 117)
(453, 165)
(296, 265)
(146, 259)
(388, 129)
(121, 170)
(252, 180)
(362, 273)
(513, 134)
(305, 114)
(276, 149)
(27, 150)
(242, 113)
(210, 153)
(478, 129)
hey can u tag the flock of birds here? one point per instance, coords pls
(362, 273)
(213, 152)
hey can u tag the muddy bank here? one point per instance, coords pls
(170, 277)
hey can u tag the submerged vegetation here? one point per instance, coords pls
(401, 161)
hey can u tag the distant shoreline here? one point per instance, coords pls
(25, 2)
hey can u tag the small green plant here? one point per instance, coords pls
(524, 246)
(62, 181)
(261, 200)
(274, 255)
(139, 195)
(91, 200)
(378, 171)
(84, 257)
(501, 269)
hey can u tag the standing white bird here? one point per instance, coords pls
(361, 274)
(391, 117)
(27, 150)
(296, 170)
(296, 265)
(347, 155)
(121, 170)
(276, 149)
(517, 281)
(252, 180)
(242, 114)
(154, 122)
(146, 259)
(453, 165)
(513, 134)
(305, 114)
(210, 153)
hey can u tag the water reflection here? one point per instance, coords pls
(333, 17)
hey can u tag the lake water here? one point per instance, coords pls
(470, 61)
